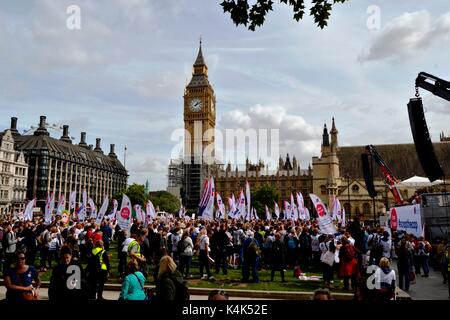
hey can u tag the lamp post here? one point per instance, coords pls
(348, 193)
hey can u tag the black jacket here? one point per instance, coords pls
(58, 289)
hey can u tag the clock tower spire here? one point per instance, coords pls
(199, 124)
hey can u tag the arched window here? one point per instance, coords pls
(347, 208)
(355, 188)
(366, 209)
(323, 190)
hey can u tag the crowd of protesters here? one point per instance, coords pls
(168, 244)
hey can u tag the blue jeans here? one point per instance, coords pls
(425, 267)
(185, 262)
(246, 270)
(403, 277)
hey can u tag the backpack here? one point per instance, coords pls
(291, 243)
(253, 249)
(180, 246)
(428, 247)
(181, 290)
(94, 265)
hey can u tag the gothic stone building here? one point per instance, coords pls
(60, 166)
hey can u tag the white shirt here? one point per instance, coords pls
(204, 240)
(385, 278)
(126, 243)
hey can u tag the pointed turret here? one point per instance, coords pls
(325, 137)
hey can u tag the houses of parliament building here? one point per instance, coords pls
(337, 171)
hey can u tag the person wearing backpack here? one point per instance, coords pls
(186, 250)
(291, 243)
(170, 285)
(44, 240)
(424, 250)
(278, 257)
(252, 253)
(97, 271)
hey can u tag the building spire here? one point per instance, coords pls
(200, 61)
(325, 136)
(333, 128)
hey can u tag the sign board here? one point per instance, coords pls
(409, 219)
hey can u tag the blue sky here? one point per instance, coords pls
(121, 77)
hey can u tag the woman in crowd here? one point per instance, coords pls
(170, 285)
(19, 280)
(386, 278)
(278, 257)
(186, 251)
(133, 284)
(349, 263)
(405, 264)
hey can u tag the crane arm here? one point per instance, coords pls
(391, 180)
(435, 85)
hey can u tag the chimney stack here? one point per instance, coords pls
(83, 140)
(13, 128)
(42, 130)
(65, 137)
(97, 145)
(112, 154)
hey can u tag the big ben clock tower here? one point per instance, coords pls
(199, 124)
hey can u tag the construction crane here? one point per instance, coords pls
(435, 85)
(391, 180)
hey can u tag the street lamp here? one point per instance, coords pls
(348, 192)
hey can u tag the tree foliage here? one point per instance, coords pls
(264, 196)
(165, 201)
(254, 15)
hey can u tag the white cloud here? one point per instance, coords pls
(296, 136)
(408, 35)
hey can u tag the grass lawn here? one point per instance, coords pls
(230, 281)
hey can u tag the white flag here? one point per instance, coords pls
(61, 205)
(49, 207)
(124, 216)
(139, 215)
(325, 222)
(114, 210)
(72, 200)
(28, 213)
(150, 210)
(277, 210)
(93, 208)
(208, 212)
(102, 211)
(248, 195)
(336, 209)
(307, 216)
(294, 211)
(85, 203)
(268, 215)
(287, 210)
(255, 215)
(343, 217)
(301, 206)
(221, 207)
(241, 206)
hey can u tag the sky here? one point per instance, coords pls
(121, 76)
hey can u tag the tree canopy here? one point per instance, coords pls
(252, 13)
(265, 195)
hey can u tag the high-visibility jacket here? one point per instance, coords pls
(131, 245)
(99, 252)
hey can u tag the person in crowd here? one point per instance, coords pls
(405, 264)
(29, 241)
(218, 295)
(305, 249)
(221, 243)
(238, 240)
(107, 233)
(291, 242)
(322, 294)
(97, 271)
(170, 285)
(386, 278)
(19, 280)
(134, 251)
(59, 289)
(252, 254)
(11, 241)
(186, 250)
(44, 240)
(278, 257)
(316, 253)
(328, 258)
(133, 284)
(54, 246)
(204, 258)
(424, 249)
(349, 263)
(386, 245)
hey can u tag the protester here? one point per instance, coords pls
(278, 257)
(218, 295)
(322, 294)
(133, 284)
(170, 285)
(19, 280)
(252, 254)
(97, 271)
(59, 289)
(186, 249)
(386, 278)
(349, 263)
(204, 258)
(405, 264)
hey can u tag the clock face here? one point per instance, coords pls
(195, 105)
